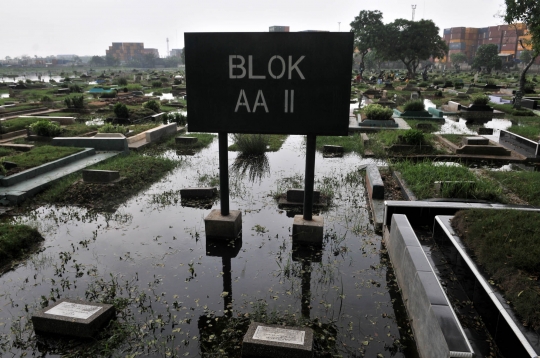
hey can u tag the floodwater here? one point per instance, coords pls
(162, 97)
(152, 251)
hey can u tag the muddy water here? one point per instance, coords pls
(153, 251)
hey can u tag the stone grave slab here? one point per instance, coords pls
(198, 192)
(182, 140)
(485, 131)
(263, 340)
(333, 149)
(100, 176)
(73, 318)
(475, 141)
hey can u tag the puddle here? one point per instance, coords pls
(153, 252)
(95, 122)
(429, 104)
(164, 96)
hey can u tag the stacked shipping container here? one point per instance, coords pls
(125, 51)
(467, 39)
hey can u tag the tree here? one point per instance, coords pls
(121, 110)
(97, 61)
(373, 60)
(459, 57)
(149, 60)
(111, 60)
(368, 30)
(487, 56)
(411, 42)
(527, 11)
(526, 56)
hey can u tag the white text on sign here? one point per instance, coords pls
(237, 70)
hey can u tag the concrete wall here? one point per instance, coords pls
(100, 144)
(154, 134)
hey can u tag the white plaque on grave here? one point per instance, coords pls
(280, 335)
(73, 310)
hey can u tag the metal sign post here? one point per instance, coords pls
(268, 83)
(223, 173)
(309, 176)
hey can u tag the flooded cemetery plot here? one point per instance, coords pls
(179, 294)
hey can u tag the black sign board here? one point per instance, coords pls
(275, 83)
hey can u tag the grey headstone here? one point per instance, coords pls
(73, 318)
(263, 340)
(475, 141)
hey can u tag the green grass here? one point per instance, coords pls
(506, 243)
(508, 109)
(353, 143)
(454, 138)
(420, 178)
(41, 155)
(6, 151)
(74, 130)
(17, 124)
(531, 132)
(17, 108)
(413, 122)
(386, 138)
(138, 172)
(275, 141)
(15, 241)
(524, 184)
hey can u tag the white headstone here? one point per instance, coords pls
(73, 310)
(280, 335)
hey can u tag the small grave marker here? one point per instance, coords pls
(262, 340)
(73, 318)
(100, 176)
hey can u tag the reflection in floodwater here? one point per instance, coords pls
(256, 167)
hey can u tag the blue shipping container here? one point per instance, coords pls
(457, 46)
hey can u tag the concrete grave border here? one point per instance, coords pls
(436, 327)
(78, 327)
(511, 337)
(44, 168)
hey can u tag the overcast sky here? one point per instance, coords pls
(53, 27)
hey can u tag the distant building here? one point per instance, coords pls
(66, 57)
(279, 29)
(127, 51)
(506, 37)
(314, 31)
(176, 52)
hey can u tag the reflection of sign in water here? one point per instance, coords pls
(73, 310)
(281, 335)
